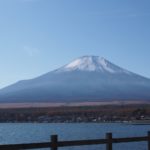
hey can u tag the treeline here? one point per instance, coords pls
(108, 113)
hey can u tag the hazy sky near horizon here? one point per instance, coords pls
(37, 36)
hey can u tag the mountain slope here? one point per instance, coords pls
(89, 78)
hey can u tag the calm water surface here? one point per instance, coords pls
(35, 132)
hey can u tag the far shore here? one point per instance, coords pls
(53, 104)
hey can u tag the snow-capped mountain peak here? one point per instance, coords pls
(92, 63)
(88, 78)
(84, 63)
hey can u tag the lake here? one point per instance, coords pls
(11, 133)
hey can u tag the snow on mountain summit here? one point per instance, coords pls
(92, 63)
(84, 63)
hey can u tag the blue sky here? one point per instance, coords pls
(37, 36)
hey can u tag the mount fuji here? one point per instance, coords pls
(86, 79)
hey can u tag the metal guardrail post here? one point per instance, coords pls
(148, 134)
(54, 140)
(109, 143)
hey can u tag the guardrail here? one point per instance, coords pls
(54, 144)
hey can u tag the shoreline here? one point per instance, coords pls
(69, 104)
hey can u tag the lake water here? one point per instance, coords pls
(35, 132)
